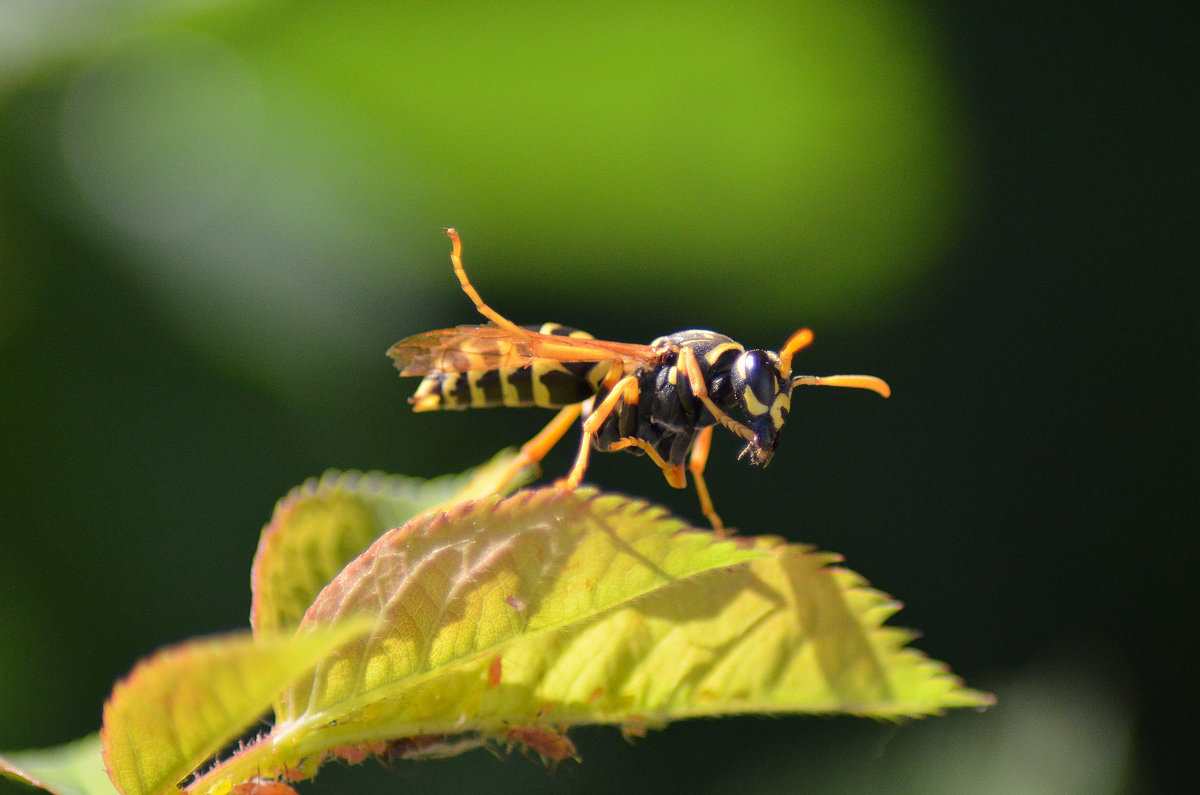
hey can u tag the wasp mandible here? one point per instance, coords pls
(660, 400)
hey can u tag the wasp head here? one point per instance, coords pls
(763, 381)
(764, 392)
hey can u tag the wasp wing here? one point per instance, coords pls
(458, 350)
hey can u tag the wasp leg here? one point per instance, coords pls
(672, 472)
(485, 310)
(696, 464)
(687, 357)
(533, 451)
(625, 389)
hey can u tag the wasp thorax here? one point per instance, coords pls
(765, 396)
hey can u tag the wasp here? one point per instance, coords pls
(661, 400)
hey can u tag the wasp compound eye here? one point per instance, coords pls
(757, 383)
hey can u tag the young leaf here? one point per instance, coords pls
(448, 592)
(786, 633)
(183, 704)
(72, 769)
(508, 621)
(322, 525)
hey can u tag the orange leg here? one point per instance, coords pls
(696, 464)
(687, 359)
(485, 310)
(533, 451)
(625, 389)
(672, 472)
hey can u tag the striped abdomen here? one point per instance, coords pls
(544, 382)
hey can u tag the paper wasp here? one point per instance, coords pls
(661, 400)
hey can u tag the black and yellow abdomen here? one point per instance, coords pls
(546, 383)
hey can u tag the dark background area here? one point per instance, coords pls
(1029, 493)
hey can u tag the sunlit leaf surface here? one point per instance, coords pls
(449, 591)
(790, 632)
(324, 524)
(509, 620)
(183, 704)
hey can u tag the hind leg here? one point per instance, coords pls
(485, 310)
(533, 451)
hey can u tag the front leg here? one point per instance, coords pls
(687, 360)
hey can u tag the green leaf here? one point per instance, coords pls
(183, 704)
(448, 592)
(449, 588)
(507, 621)
(76, 768)
(786, 633)
(322, 525)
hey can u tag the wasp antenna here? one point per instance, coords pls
(857, 381)
(801, 339)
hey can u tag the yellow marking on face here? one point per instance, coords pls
(752, 404)
(782, 405)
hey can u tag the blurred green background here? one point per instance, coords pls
(215, 217)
